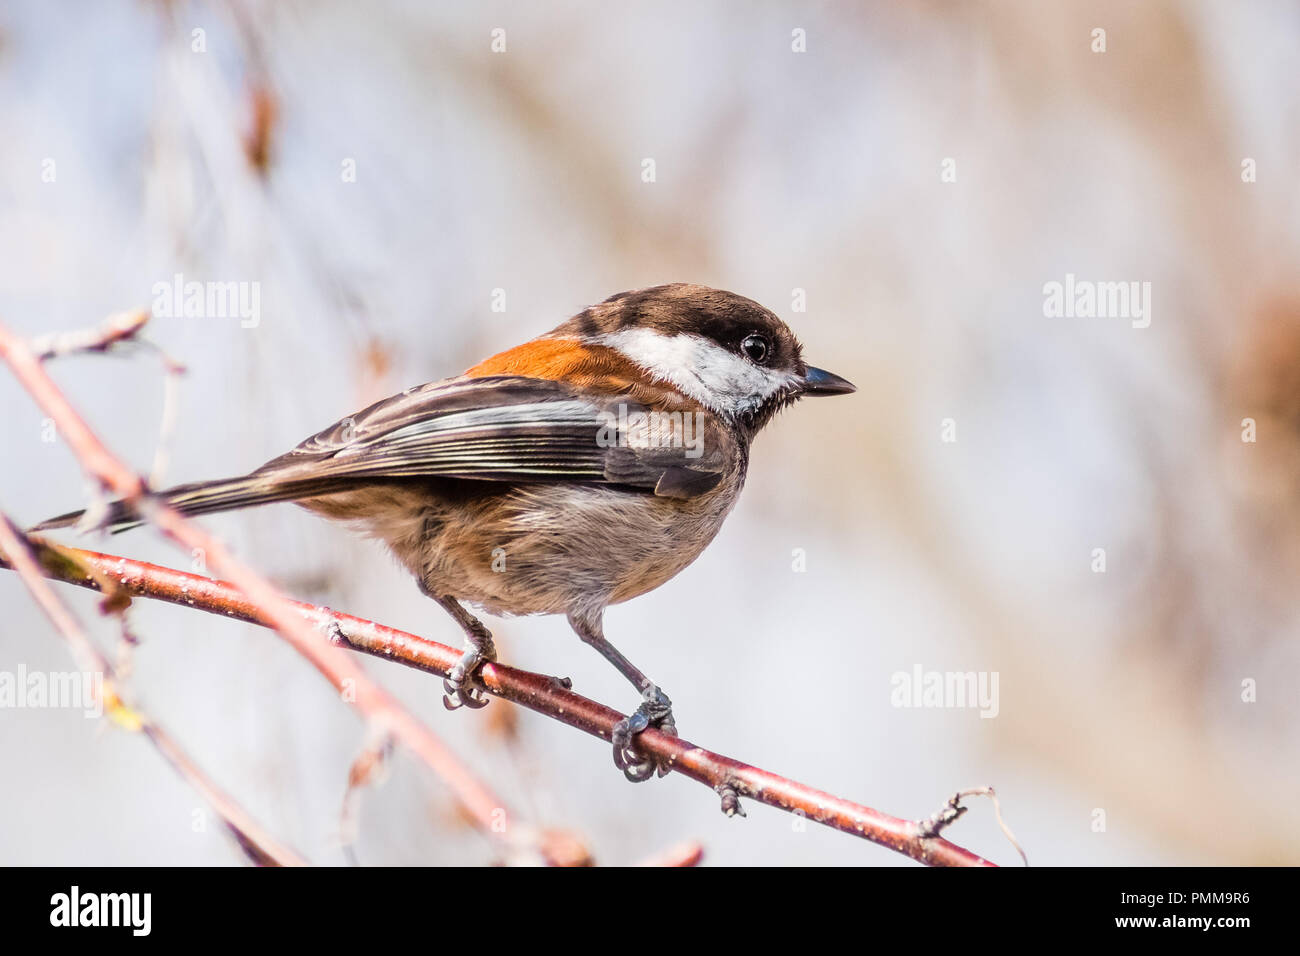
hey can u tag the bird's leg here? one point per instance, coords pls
(459, 687)
(656, 709)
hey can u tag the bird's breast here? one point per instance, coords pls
(560, 549)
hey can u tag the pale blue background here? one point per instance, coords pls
(775, 171)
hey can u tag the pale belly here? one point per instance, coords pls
(535, 549)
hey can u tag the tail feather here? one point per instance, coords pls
(205, 497)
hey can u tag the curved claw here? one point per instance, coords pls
(473, 699)
(462, 693)
(460, 688)
(655, 711)
(638, 772)
(635, 766)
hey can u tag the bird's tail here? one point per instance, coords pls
(202, 497)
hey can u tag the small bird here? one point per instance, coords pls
(578, 470)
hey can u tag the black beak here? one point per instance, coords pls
(818, 381)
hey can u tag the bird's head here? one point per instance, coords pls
(719, 349)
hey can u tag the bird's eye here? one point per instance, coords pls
(755, 348)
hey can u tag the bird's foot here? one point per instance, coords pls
(461, 687)
(656, 711)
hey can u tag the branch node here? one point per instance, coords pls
(951, 811)
(731, 805)
(370, 769)
(116, 329)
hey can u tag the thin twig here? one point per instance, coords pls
(172, 372)
(260, 602)
(369, 769)
(119, 329)
(537, 692)
(116, 329)
(951, 811)
(259, 845)
(377, 705)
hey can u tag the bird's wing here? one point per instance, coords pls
(512, 428)
(491, 428)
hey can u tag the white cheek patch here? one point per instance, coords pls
(700, 368)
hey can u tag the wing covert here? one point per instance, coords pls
(512, 428)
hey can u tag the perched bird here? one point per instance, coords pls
(578, 470)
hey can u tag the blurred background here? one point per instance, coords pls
(899, 183)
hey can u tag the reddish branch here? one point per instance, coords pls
(386, 715)
(250, 598)
(534, 691)
(256, 842)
